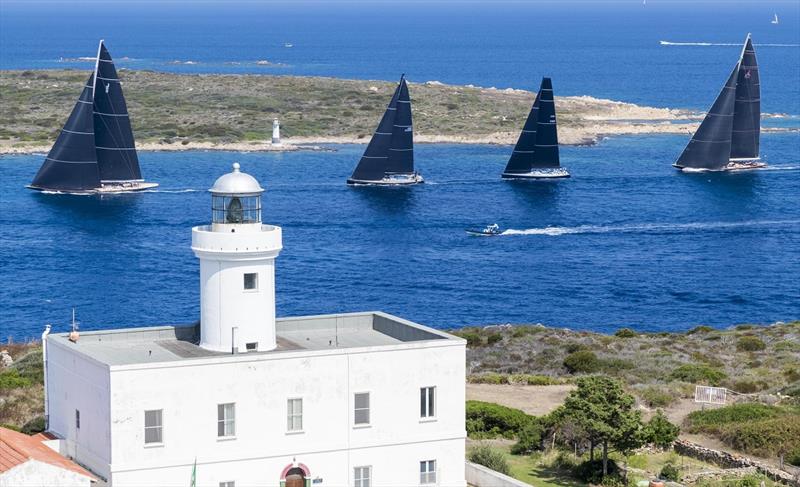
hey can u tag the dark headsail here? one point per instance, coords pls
(372, 166)
(71, 164)
(545, 153)
(401, 149)
(521, 159)
(747, 110)
(116, 152)
(391, 150)
(710, 147)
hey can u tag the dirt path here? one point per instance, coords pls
(535, 400)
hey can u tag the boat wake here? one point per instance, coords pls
(707, 44)
(646, 228)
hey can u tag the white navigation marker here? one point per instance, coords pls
(276, 132)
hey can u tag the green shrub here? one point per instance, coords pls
(575, 347)
(533, 380)
(714, 420)
(656, 397)
(529, 439)
(11, 379)
(591, 471)
(787, 346)
(625, 333)
(495, 420)
(748, 386)
(768, 438)
(614, 365)
(494, 338)
(700, 329)
(31, 366)
(522, 330)
(659, 431)
(582, 361)
(670, 472)
(489, 457)
(488, 378)
(35, 425)
(750, 480)
(698, 374)
(473, 339)
(750, 344)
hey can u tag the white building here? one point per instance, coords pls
(243, 399)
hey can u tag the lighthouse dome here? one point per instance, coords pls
(236, 183)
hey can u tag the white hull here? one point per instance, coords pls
(733, 165)
(391, 180)
(107, 188)
(559, 172)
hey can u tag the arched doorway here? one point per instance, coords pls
(295, 478)
(295, 475)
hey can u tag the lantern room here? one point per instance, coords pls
(235, 200)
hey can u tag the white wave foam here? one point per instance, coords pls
(707, 44)
(645, 227)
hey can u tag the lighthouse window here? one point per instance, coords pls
(250, 281)
(236, 209)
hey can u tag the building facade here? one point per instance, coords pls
(362, 399)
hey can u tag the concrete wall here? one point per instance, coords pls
(76, 382)
(480, 476)
(39, 474)
(330, 445)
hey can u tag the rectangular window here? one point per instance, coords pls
(229, 483)
(77, 419)
(226, 419)
(294, 415)
(361, 406)
(250, 281)
(251, 346)
(427, 472)
(153, 426)
(427, 402)
(362, 477)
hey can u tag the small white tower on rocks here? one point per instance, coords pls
(237, 268)
(276, 132)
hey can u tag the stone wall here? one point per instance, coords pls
(733, 461)
(480, 476)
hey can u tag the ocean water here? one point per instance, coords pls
(607, 49)
(628, 241)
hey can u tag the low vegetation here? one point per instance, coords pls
(758, 429)
(21, 389)
(659, 368)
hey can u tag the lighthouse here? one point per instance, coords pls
(237, 268)
(276, 132)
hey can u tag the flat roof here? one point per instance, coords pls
(130, 346)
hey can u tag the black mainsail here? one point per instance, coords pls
(729, 134)
(95, 150)
(71, 164)
(389, 156)
(536, 153)
(116, 152)
(747, 109)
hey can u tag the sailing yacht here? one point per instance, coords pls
(775, 19)
(535, 155)
(728, 137)
(95, 150)
(388, 159)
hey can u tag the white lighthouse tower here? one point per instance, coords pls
(276, 132)
(237, 268)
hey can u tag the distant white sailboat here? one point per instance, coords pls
(775, 20)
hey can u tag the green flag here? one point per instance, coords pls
(194, 474)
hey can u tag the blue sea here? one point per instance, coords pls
(627, 241)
